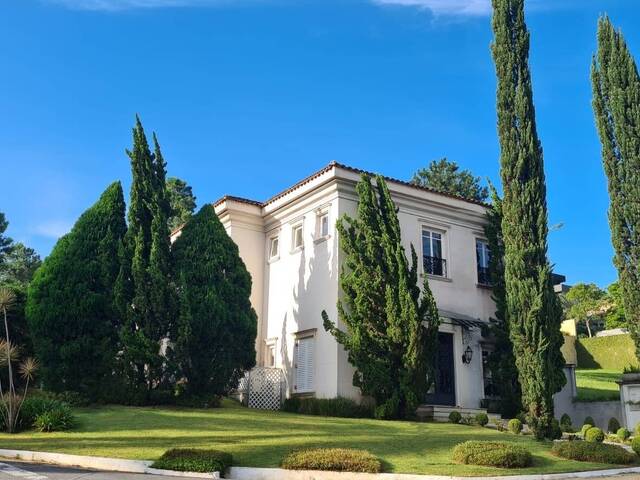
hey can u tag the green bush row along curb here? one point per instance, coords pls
(593, 452)
(332, 459)
(194, 460)
(492, 454)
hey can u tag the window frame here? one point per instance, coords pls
(271, 345)
(310, 336)
(294, 229)
(486, 254)
(443, 250)
(275, 239)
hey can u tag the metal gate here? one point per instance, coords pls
(263, 388)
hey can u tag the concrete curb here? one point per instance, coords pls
(99, 463)
(247, 473)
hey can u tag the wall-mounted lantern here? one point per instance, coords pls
(467, 356)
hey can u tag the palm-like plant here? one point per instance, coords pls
(10, 401)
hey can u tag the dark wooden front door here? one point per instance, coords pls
(444, 390)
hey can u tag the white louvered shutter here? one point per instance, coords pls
(304, 365)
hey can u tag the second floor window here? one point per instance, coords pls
(432, 258)
(482, 258)
(297, 238)
(324, 225)
(274, 249)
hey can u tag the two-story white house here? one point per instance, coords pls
(289, 244)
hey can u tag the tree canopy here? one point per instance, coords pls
(217, 327)
(70, 304)
(533, 309)
(445, 176)
(616, 104)
(392, 325)
(182, 201)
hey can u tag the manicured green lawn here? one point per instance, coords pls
(598, 385)
(261, 439)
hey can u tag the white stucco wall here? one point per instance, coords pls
(289, 292)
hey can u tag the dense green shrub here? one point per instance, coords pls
(482, 419)
(70, 302)
(614, 425)
(565, 423)
(492, 454)
(585, 427)
(593, 452)
(333, 459)
(555, 430)
(455, 417)
(589, 421)
(623, 434)
(46, 414)
(328, 407)
(515, 426)
(55, 419)
(637, 429)
(594, 434)
(193, 460)
(635, 444)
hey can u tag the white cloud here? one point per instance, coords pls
(53, 228)
(117, 5)
(458, 8)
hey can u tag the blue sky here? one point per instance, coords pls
(248, 97)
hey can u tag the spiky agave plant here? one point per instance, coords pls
(10, 401)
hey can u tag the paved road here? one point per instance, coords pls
(31, 471)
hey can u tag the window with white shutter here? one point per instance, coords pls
(304, 365)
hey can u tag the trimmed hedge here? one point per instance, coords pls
(332, 459)
(194, 460)
(514, 426)
(593, 452)
(635, 445)
(614, 425)
(482, 419)
(612, 353)
(585, 428)
(492, 454)
(594, 434)
(455, 417)
(623, 434)
(328, 407)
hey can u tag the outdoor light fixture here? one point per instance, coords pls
(467, 356)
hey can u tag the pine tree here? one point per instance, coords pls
(501, 361)
(533, 309)
(616, 103)
(70, 305)
(391, 325)
(445, 176)
(182, 202)
(217, 327)
(145, 291)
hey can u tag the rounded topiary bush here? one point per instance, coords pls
(593, 452)
(482, 419)
(492, 454)
(594, 434)
(455, 417)
(194, 460)
(589, 421)
(585, 427)
(515, 426)
(623, 434)
(635, 445)
(614, 425)
(565, 423)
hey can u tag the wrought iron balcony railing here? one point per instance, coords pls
(484, 276)
(435, 266)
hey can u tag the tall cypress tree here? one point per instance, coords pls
(216, 333)
(391, 324)
(533, 309)
(70, 305)
(501, 361)
(145, 290)
(616, 103)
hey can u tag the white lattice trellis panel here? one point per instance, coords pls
(265, 388)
